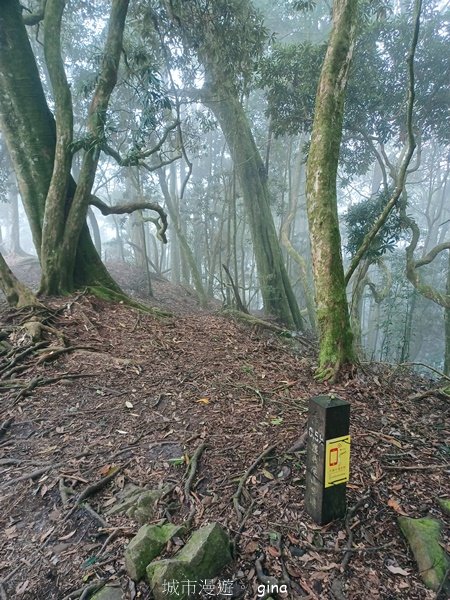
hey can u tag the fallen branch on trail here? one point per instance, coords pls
(86, 590)
(416, 467)
(237, 495)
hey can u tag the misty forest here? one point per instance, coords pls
(213, 212)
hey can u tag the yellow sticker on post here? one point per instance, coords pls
(337, 461)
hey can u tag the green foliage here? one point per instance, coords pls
(229, 35)
(304, 5)
(376, 96)
(290, 75)
(359, 220)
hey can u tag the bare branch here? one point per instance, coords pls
(136, 158)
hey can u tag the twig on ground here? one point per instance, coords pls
(443, 584)
(299, 444)
(40, 381)
(32, 475)
(112, 536)
(83, 592)
(241, 527)
(237, 495)
(350, 514)
(416, 467)
(262, 577)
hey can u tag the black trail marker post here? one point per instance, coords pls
(327, 458)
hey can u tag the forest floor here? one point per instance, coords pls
(142, 393)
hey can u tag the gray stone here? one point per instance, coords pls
(146, 545)
(125, 499)
(109, 592)
(138, 503)
(144, 507)
(203, 557)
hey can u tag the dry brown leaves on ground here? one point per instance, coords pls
(141, 394)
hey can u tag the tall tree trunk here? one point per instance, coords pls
(276, 290)
(447, 325)
(335, 336)
(295, 180)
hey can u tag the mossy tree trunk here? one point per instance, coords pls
(335, 336)
(447, 325)
(40, 154)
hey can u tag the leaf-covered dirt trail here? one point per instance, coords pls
(141, 394)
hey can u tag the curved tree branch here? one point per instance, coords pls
(135, 158)
(122, 209)
(411, 266)
(425, 260)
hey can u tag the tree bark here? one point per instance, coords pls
(276, 290)
(17, 294)
(29, 130)
(335, 336)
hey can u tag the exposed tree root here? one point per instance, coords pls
(237, 495)
(93, 488)
(6, 425)
(192, 469)
(113, 296)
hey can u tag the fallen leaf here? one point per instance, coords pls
(267, 474)
(67, 536)
(105, 470)
(11, 532)
(251, 547)
(273, 551)
(293, 572)
(397, 570)
(21, 587)
(203, 401)
(396, 506)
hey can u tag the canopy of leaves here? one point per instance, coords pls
(290, 76)
(376, 96)
(359, 220)
(227, 34)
